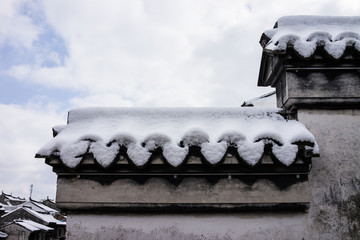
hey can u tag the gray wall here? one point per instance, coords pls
(334, 210)
(181, 226)
(335, 177)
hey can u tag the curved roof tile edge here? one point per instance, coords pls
(100, 132)
(305, 34)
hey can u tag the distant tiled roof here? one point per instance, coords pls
(13, 198)
(111, 133)
(305, 34)
(3, 235)
(48, 218)
(39, 207)
(31, 225)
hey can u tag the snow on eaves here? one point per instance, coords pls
(104, 132)
(306, 33)
(47, 218)
(32, 226)
(38, 207)
(3, 235)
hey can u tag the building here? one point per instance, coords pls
(9, 203)
(221, 173)
(50, 203)
(33, 220)
(25, 229)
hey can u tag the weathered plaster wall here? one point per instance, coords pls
(334, 210)
(180, 226)
(77, 193)
(335, 177)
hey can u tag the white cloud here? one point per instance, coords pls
(165, 53)
(147, 52)
(23, 131)
(58, 77)
(16, 29)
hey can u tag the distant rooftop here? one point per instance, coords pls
(31, 225)
(3, 235)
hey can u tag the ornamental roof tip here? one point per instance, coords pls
(138, 133)
(305, 34)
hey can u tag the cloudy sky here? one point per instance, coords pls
(56, 55)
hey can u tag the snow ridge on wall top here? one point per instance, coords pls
(307, 33)
(104, 132)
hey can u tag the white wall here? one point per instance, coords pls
(182, 226)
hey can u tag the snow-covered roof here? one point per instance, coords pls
(48, 218)
(38, 207)
(137, 132)
(31, 225)
(306, 33)
(3, 235)
(13, 198)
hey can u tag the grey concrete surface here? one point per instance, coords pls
(326, 88)
(335, 177)
(77, 192)
(255, 226)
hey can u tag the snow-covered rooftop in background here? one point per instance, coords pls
(13, 198)
(48, 218)
(305, 33)
(31, 225)
(38, 207)
(3, 235)
(104, 131)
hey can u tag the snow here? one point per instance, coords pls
(214, 152)
(195, 137)
(141, 131)
(48, 218)
(138, 154)
(39, 207)
(71, 154)
(306, 33)
(232, 138)
(3, 235)
(286, 154)
(12, 198)
(45, 217)
(32, 226)
(174, 154)
(251, 152)
(266, 100)
(59, 128)
(103, 154)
